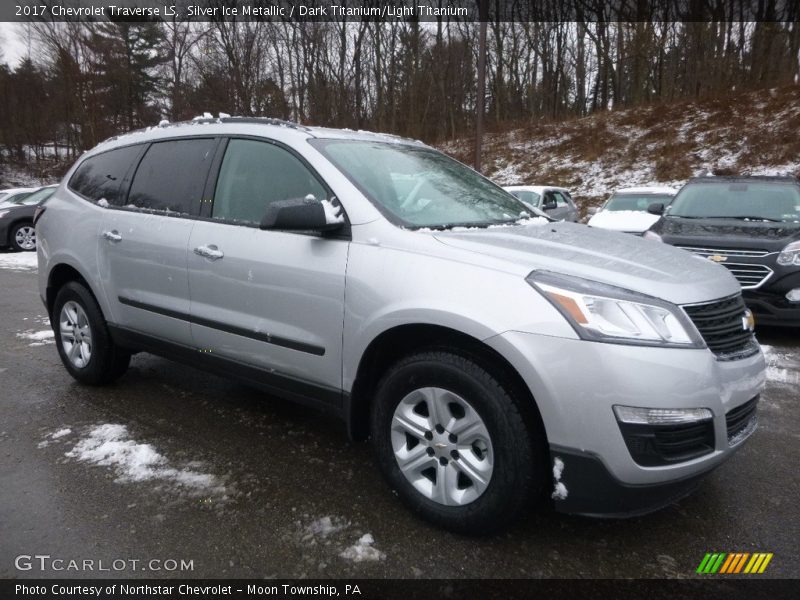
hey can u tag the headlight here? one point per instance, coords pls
(652, 235)
(3, 213)
(788, 256)
(605, 313)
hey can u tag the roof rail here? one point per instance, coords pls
(252, 120)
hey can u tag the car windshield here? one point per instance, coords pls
(17, 198)
(746, 200)
(527, 196)
(38, 196)
(637, 202)
(420, 187)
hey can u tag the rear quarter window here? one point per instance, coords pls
(100, 176)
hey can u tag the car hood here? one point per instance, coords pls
(727, 232)
(635, 221)
(609, 257)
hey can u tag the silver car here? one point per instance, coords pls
(495, 358)
(557, 202)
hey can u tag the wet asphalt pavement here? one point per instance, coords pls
(273, 470)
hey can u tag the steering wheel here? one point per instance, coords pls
(411, 198)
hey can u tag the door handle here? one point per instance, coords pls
(210, 252)
(112, 236)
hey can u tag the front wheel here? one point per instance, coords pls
(23, 237)
(453, 443)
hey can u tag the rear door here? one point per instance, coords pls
(145, 236)
(272, 300)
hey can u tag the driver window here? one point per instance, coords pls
(255, 174)
(559, 199)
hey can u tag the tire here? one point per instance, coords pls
(95, 360)
(487, 482)
(23, 237)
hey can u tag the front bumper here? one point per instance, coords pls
(576, 383)
(593, 491)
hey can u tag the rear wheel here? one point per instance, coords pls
(84, 343)
(452, 442)
(23, 237)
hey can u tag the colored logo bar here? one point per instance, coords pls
(734, 562)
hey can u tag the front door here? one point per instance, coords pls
(272, 300)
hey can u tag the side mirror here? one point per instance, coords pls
(592, 210)
(301, 214)
(657, 208)
(548, 204)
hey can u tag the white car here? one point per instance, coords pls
(555, 201)
(626, 209)
(11, 196)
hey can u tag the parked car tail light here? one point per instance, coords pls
(38, 213)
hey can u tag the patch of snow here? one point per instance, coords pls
(163, 123)
(109, 445)
(781, 367)
(39, 338)
(326, 526)
(103, 202)
(559, 489)
(333, 214)
(60, 433)
(19, 261)
(363, 550)
(223, 115)
(55, 435)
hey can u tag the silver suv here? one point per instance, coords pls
(495, 357)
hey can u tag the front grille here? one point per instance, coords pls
(723, 327)
(741, 421)
(654, 445)
(750, 276)
(726, 252)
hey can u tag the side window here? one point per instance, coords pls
(100, 177)
(172, 175)
(255, 174)
(561, 201)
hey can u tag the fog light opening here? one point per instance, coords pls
(793, 295)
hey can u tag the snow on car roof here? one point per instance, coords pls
(17, 190)
(228, 125)
(539, 189)
(654, 189)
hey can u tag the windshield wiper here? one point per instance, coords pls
(737, 218)
(748, 218)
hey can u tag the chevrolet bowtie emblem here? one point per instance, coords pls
(748, 321)
(718, 258)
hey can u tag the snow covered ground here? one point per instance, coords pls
(18, 261)
(752, 133)
(333, 535)
(110, 445)
(782, 366)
